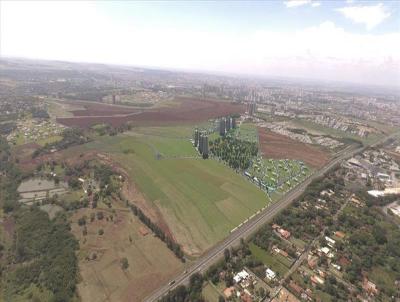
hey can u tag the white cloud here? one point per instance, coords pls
(296, 3)
(315, 4)
(80, 32)
(370, 16)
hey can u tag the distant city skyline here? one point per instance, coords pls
(349, 41)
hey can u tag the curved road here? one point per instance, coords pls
(216, 253)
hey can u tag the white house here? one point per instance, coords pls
(270, 274)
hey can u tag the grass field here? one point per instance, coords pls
(201, 200)
(247, 132)
(210, 293)
(49, 140)
(151, 263)
(269, 260)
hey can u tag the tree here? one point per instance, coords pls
(124, 263)
(227, 254)
(101, 232)
(82, 221)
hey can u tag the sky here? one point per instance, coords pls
(348, 41)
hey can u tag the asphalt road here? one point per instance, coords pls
(215, 253)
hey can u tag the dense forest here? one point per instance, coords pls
(43, 256)
(236, 153)
(42, 252)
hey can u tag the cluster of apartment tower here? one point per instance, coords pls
(226, 124)
(251, 108)
(201, 136)
(201, 142)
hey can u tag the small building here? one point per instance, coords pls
(369, 287)
(336, 266)
(228, 292)
(239, 277)
(317, 280)
(340, 234)
(284, 233)
(270, 274)
(330, 241)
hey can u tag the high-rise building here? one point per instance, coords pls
(200, 147)
(251, 108)
(228, 124)
(222, 126)
(114, 99)
(233, 123)
(196, 137)
(205, 145)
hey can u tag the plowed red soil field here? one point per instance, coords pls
(278, 146)
(190, 110)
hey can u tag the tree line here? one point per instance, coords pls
(70, 137)
(172, 245)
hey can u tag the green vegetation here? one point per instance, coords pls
(236, 153)
(201, 200)
(373, 246)
(172, 147)
(277, 175)
(247, 132)
(10, 178)
(171, 244)
(43, 256)
(70, 137)
(268, 259)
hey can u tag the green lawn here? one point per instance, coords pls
(201, 200)
(247, 132)
(268, 259)
(210, 293)
(172, 147)
(49, 140)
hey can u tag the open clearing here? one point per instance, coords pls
(189, 110)
(151, 263)
(201, 200)
(277, 146)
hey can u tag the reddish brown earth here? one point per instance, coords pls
(278, 146)
(190, 110)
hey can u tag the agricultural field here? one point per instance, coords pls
(116, 235)
(187, 111)
(57, 108)
(201, 200)
(277, 146)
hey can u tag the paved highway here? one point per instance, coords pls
(215, 253)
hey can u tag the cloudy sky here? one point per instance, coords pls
(356, 41)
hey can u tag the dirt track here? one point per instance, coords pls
(277, 146)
